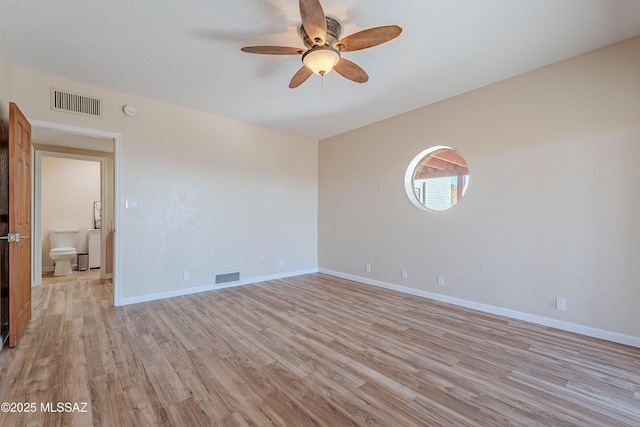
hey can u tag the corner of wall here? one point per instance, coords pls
(6, 75)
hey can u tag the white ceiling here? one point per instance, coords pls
(187, 53)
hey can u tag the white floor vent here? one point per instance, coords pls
(75, 103)
(226, 278)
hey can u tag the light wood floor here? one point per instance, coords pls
(310, 350)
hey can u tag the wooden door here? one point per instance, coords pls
(19, 223)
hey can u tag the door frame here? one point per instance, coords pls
(37, 206)
(117, 165)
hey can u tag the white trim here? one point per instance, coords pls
(278, 276)
(486, 308)
(211, 287)
(117, 162)
(117, 215)
(411, 169)
(168, 294)
(60, 127)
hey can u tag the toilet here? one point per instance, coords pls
(63, 249)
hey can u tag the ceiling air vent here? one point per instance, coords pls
(75, 103)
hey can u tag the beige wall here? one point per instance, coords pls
(212, 194)
(552, 207)
(69, 188)
(5, 76)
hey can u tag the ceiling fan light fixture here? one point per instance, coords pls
(321, 59)
(321, 34)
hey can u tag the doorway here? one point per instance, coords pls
(71, 194)
(70, 142)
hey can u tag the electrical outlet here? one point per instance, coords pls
(282, 262)
(185, 275)
(367, 268)
(405, 274)
(440, 280)
(561, 304)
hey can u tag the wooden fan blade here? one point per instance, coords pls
(274, 50)
(300, 77)
(313, 20)
(351, 71)
(368, 38)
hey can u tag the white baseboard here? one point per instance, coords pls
(210, 287)
(74, 267)
(532, 318)
(276, 276)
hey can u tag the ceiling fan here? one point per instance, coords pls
(321, 35)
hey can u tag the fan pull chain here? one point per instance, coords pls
(321, 87)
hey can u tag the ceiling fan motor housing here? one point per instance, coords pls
(334, 31)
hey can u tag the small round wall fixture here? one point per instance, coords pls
(436, 179)
(129, 110)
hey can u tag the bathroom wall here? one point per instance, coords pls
(69, 188)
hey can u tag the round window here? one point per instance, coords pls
(436, 179)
